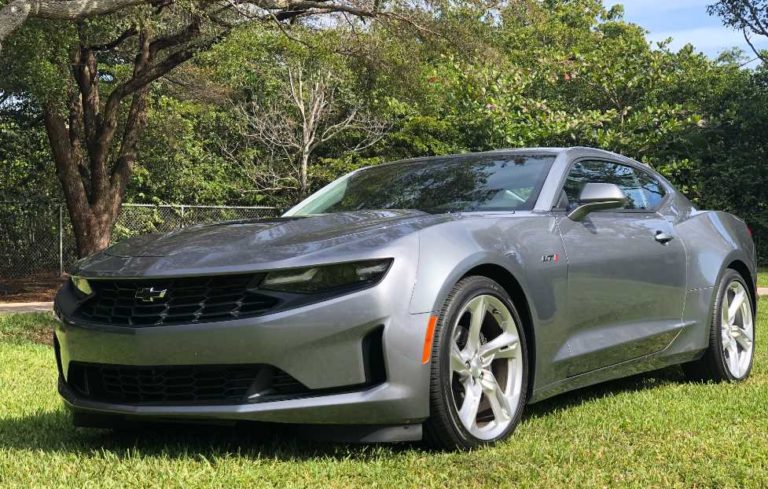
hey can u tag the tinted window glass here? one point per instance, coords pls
(643, 192)
(467, 183)
(652, 190)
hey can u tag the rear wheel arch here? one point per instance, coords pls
(743, 270)
(512, 286)
(714, 364)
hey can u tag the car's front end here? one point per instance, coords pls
(322, 317)
(143, 338)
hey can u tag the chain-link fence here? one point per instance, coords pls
(36, 238)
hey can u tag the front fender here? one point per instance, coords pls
(428, 299)
(528, 247)
(517, 243)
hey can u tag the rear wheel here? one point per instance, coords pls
(479, 367)
(731, 341)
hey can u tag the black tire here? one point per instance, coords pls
(444, 430)
(712, 366)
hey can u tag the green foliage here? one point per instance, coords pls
(43, 76)
(182, 160)
(553, 73)
(25, 169)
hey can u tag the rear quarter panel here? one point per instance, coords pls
(714, 241)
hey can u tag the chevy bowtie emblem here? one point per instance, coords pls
(150, 294)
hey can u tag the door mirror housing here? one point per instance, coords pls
(598, 196)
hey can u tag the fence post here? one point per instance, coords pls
(182, 215)
(61, 240)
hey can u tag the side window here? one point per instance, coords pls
(653, 192)
(642, 191)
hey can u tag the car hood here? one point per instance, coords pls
(241, 245)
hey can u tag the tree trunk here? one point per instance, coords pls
(92, 233)
(303, 174)
(94, 145)
(93, 216)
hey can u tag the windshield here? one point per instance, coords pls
(437, 185)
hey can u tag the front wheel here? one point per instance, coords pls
(731, 341)
(479, 367)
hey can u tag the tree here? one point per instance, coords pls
(749, 16)
(307, 115)
(94, 143)
(91, 82)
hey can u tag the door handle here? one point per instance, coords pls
(663, 237)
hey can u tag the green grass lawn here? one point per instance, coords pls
(762, 277)
(653, 430)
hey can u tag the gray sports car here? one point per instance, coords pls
(431, 298)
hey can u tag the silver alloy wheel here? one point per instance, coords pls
(737, 329)
(486, 367)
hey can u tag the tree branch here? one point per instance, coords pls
(127, 34)
(12, 16)
(182, 37)
(757, 52)
(16, 12)
(78, 9)
(134, 126)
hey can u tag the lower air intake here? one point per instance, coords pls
(174, 385)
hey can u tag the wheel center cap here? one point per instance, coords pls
(475, 367)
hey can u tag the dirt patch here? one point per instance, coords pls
(30, 289)
(42, 336)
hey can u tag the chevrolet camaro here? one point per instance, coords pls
(430, 298)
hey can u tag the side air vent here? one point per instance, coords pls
(373, 357)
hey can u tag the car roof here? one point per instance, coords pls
(576, 151)
(580, 151)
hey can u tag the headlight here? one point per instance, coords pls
(82, 285)
(327, 277)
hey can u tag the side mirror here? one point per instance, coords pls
(598, 196)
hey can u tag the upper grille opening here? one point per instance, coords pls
(157, 302)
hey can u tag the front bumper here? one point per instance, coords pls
(320, 345)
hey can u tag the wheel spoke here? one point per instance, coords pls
(733, 359)
(502, 411)
(477, 309)
(744, 338)
(503, 346)
(735, 305)
(726, 338)
(458, 363)
(468, 412)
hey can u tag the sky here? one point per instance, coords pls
(685, 21)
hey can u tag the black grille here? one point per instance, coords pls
(203, 384)
(141, 303)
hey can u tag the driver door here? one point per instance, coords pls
(625, 286)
